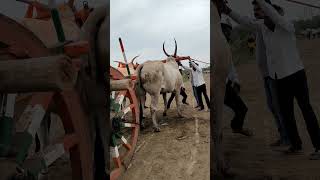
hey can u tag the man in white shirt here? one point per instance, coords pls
(284, 66)
(191, 81)
(199, 83)
(261, 58)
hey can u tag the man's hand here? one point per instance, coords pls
(225, 8)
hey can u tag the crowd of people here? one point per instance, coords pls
(283, 73)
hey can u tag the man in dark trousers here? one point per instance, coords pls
(199, 83)
(285, 66)
(182, 92)
(262, 62)
(232, 98)
(234, 101)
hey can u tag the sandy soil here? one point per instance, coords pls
(162, 156)
(178, 151)
(252, 158)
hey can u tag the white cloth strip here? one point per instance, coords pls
(128, 125)
(37, 114)
(53, 154)
(124, 140)
(114, 152)
(125, 111)
(11, 100)
(120, 99)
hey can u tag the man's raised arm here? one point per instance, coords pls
(271, 12)
(247, 22)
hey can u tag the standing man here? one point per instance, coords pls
(199, 83)
(192, 84)
(258, 27)
(286, 68)
(234, 101)
(232, 98)
(182, 92)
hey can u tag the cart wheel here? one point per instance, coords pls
(125, 129)
(70, 139)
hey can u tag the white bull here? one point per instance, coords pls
(155, 78)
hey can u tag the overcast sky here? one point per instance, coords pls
(143, 25)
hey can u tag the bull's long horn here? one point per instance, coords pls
(134, 59)
(175, 49)
(165, 52)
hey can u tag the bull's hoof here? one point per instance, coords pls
(164, 114)
(156, 129)
(180, 116)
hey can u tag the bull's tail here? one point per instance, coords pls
(141, 94)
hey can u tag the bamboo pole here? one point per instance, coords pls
(304, 4)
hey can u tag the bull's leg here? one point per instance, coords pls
(153, 109)
(177, 97)
(164, 95)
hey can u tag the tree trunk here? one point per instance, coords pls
(53, 73)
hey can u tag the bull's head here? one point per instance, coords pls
(131, 64)
(175, 50)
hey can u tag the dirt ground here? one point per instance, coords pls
(252, 158)
(162, 156)
(180, 150)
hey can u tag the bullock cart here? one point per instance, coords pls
(40, 60)
(124, 111)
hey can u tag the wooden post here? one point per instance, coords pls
(53, 73)
(118, 85)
